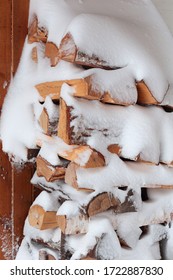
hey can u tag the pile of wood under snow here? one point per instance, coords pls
(101, 94)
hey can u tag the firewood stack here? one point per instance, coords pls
(104, 182)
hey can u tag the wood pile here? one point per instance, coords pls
(81, 180)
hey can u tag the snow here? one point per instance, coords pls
(141, 47)
(144, 131)
(49, 201)
(119, 173)
(109, 42)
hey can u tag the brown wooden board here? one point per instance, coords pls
(16, 193)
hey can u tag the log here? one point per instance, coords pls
(83, 88)
(145, 96)
(101, 203)
(106, 201)
(53, 89)
(68, 51)
(34, 55)
(73, 225)
(44, 121)
(48, 171)
(44, 255)
(48, 124)
(71, 177)
(93, 158)
(51, 51)
(36, 33)
(41, 219)
(75, 153)
(114, 149)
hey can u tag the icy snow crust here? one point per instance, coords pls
(130, 35)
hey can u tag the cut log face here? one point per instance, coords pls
(101, 203)
(114, 149)
(41, 219)
(53, 89)
(44, 121)
(73, 225)
(51, 51)
(69, 51)
(48, 171)
(64, 129)
(105, 201)
(93, 158)
(36, 33)
(145, 97)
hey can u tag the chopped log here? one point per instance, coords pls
(75, 153)
(36, 33)
(53, 89)
(82, 88)
(145, 97)
(44, 255)
(64, 129)
(73, 225)
(44, 121)
(68, 51)
(105, 201)
(114, 149)
(34, 55)
(51, 51)
(101, 203)
(41, 219)
(48, 171)
(93, 158)
(71, 177)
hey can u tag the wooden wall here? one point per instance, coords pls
(16, 192)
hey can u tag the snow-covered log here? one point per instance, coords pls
(69, 51)
(41, 219)
(53, 89)
(82, 155)
(36, 33)
(48, 171)
(73, 225)
(51, 52)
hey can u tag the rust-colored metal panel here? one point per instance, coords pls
(16, 192)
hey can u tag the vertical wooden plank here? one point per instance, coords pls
(5, 46)
(16, 192)
(5, 207)
(5, 166)
(22, 190)
(22, 199)
(19, 29)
